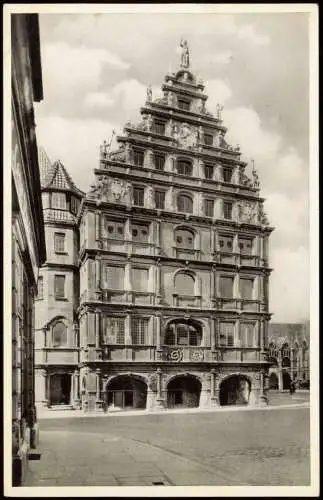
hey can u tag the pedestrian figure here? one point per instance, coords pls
(292, 388)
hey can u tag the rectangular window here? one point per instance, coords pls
(40, 288)
(114, 277)
(138, 157)
(183, 104)
(159, 127)
(208, 171)
(227, 174)
(114, 330)
(226, 243)
(227, 210)
(226, 334)
(159, 161)
(59, 200)
(139, 280)
(160, 199)
(245, 245)
(74, 205)
(59, 286)
(138, 196)
(226, 286)
(246, 288)
(140, 233)
(209, 208)
(208, 139)
(184, 167)
(139, 331)
(114, 230)
(59, 242)
(247, 334)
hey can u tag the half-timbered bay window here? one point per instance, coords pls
(246, 245)
(140, 233)
(138, 196)
(140, 279)
(159, 160)
(114, 330)
(138, 157)
(139, 331)
(113, 277)
(246, 288)
(114, 230)
(209, 207)
(247, 334)
(74, 205)
(226, 286)
(226, 334)
(59, 200)
(208, 171)
(227, 210)
(160, 199)
(226, 243)
(184, 167)
(184, 204)
(181, 333)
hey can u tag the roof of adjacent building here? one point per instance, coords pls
(288, 333)
(54, 175)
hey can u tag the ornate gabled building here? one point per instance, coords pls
(56, 332)
(289, 354)
(173, 263)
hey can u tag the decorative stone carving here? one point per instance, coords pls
(256, 183)
(262, 216)
(186, 136)
(245, 181)
(248, 212)
(119, 189)
(222, 142)
(175, 355)
(149, 193)
(149, 93)
(197, 355)
(114, 189)
(149, 123)
(118, 155)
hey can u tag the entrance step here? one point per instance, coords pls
(60, 407)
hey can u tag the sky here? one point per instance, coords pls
(96, 68)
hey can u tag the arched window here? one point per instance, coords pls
(180, 332)
(184, 167)
(59, 334)
(184, 238)
(273, 353)
(285, 351)
(185, 204)
(184, 284)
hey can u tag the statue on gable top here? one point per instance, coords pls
(149, 93)
(185, 55)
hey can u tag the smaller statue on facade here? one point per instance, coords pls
(200, 135)
(175, 130)
(128, 150)
(222, 142)
(149, 123)
(263, 219)
(219, 110)
(256, 182)
(149, 93)
(149, 196)
(202, 107)
(185, 55)
(104, 148)
(237, 148)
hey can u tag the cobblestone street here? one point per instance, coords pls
(203, 448)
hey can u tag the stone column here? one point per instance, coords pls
(97, 226)
(214, 401)
(127, 281)
(158, 335)
(72, 390)
(263, 400)
(97, 273)
(97, 329)
(157, 237)
(159, 398)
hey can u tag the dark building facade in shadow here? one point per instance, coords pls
(28, 242)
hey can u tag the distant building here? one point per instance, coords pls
(28, 240)
(56, 330)
(289, 351)
(168, 284)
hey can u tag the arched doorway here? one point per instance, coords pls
(60, 389)
(127, 392)
(184, 392)
(273, 381)
(235, 390)
(286, 380)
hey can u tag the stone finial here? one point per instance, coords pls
(149, 93)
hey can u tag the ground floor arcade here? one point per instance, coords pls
(166, 387)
